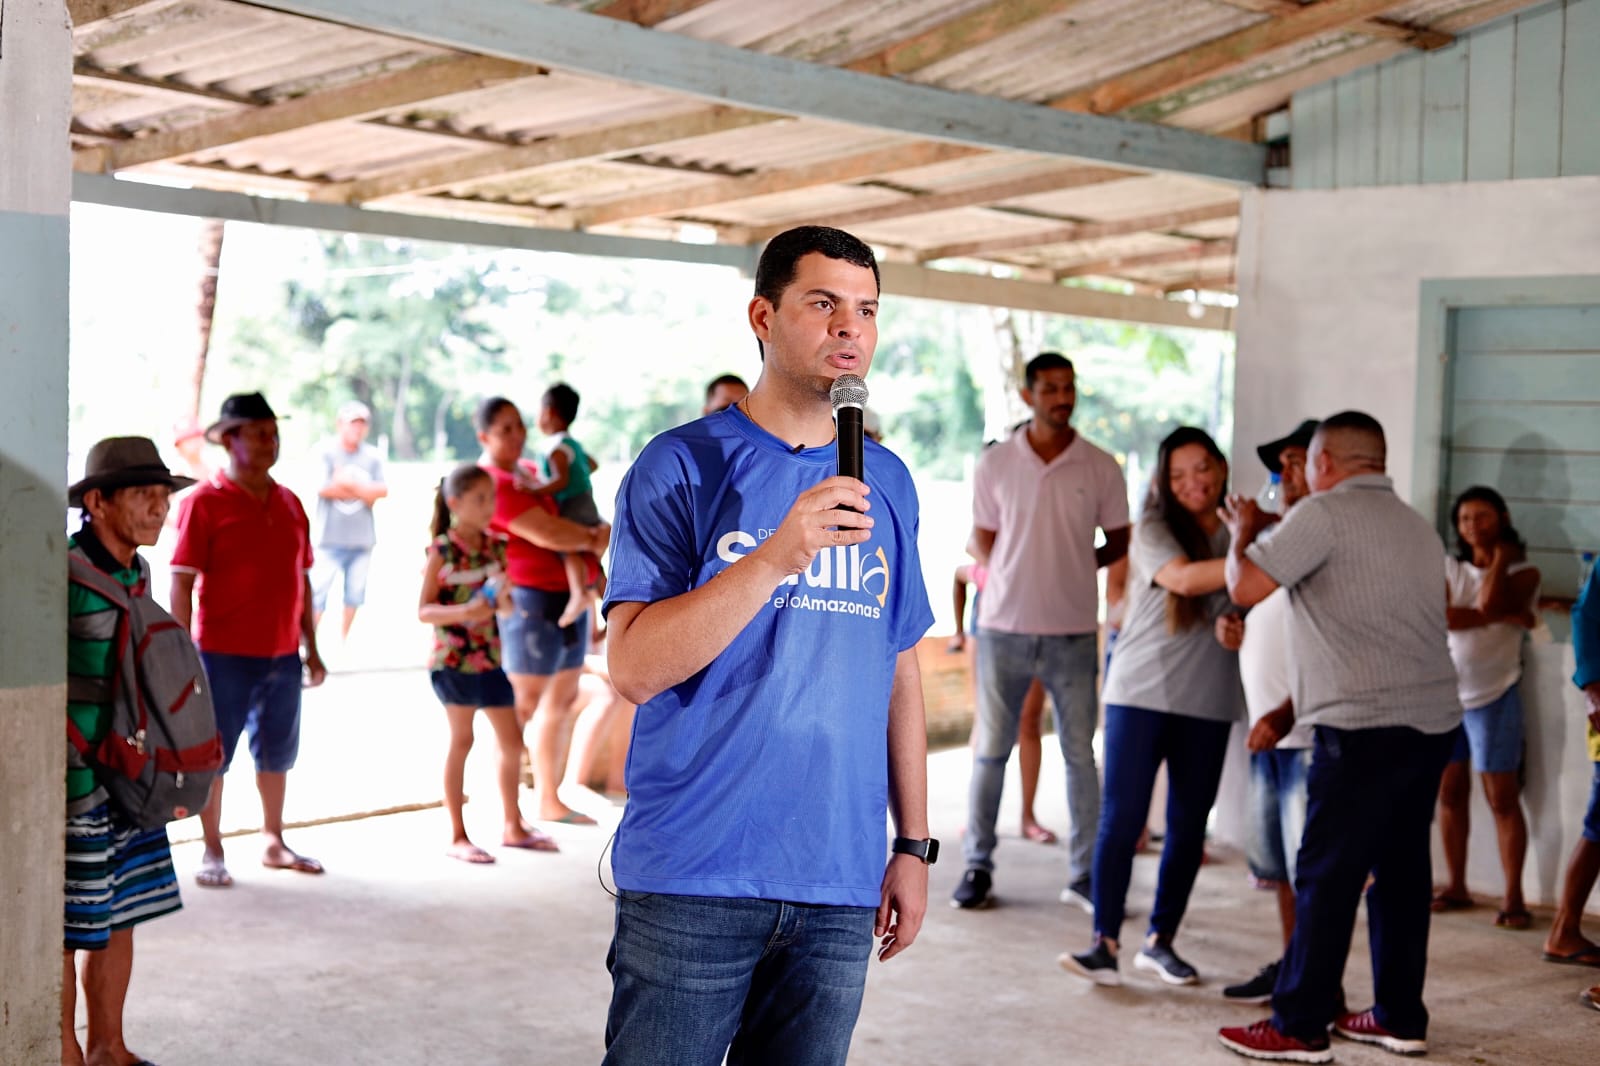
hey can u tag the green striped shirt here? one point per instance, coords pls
(90, 655)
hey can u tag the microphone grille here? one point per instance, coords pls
(847, 390)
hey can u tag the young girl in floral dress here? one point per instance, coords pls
(463, 585)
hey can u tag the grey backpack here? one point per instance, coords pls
(162, 749)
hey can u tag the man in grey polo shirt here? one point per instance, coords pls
(352, 481)
(1037, 499)
(1373, 678)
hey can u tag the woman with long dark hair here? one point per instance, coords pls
(1493, 590)
(1171, 696)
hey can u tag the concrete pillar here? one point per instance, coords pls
(35, 190)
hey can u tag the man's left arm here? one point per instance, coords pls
(905, 881)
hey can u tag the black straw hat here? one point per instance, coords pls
(238, 409)
(119, 462)
(1300, 438)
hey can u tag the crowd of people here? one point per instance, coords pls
(1373, 666)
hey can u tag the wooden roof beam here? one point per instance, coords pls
(1212, 58)
(1112, 267)
(1422, 38)
(365, 99)
(89, 14)
(551, 35)
(830, 172)
(972, 196)
(1081, 231)
(940, 42)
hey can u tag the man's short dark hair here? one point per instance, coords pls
(1361, 437)
(1042, 362)
(781, 257)
(724, 379)
(563, 400)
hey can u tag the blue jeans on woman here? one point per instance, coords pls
(768, 983)
(1138, 741)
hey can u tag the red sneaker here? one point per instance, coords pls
(1365, 1028)
(1263, 1041)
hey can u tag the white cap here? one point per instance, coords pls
(355, 410)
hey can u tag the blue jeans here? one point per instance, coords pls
(1277, 811)
(259, 697)
(354, 563)
(1138, 741)
(1007, 665)
(764, 982)
(1371, 794)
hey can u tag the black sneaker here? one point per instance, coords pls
(1080, 894)
(1098, 964)
(1160, 959)
(1256, 990)
(972, 894)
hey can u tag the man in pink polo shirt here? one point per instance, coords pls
(247, 541)
(1038, 498)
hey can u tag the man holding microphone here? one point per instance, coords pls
(764, 615)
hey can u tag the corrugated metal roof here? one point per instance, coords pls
(176, 64)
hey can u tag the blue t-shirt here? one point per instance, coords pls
(765, 775)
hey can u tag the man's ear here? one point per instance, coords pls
(760, 314)
(1027, 397)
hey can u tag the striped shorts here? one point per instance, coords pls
(117, 876)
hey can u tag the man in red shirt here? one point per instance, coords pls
(247, 540)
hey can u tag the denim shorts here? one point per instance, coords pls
(353, 563)
(260, 696)
(1491, 735)
(1277, 811)
(487, 688)
(1591, 818)
(530, 640)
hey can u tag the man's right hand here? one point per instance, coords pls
(809, 525)
(1271, 728)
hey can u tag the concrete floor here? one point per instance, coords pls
(400, 956)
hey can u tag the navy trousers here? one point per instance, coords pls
(1370, 808)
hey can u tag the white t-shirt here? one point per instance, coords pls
(1488, 658)
(1042, 568)
(1266, 663)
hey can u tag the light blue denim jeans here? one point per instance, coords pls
(1007, 665)
(1277, 811)
(764, 982)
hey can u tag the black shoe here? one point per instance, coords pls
(1256, 990)
(1098, 964)
(972, 894)
(1160, 959)
(1080, 894)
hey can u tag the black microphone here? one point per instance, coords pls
(848, 394)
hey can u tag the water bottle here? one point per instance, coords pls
(1270, 498)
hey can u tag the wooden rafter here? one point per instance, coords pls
(87, 14)
(1114, 266)
(1082, 231)
(971, 196)
(1207, 283)
(837, 171)
(365, 99)
(1422, 38)
(1218, 56)
(932, 46)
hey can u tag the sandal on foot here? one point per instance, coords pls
(533, 841)
(1442, 903)
(302, 864)
(1589, 956)
(213, 874)
(1038, 834)
(1515, 920)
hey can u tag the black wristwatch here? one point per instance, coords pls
(926, 850)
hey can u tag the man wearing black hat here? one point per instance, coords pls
(1279, 754)
(117, 875)
(248, 541)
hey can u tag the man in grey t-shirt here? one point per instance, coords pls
(1373, 678)
(352, 481)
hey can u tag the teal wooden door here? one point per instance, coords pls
(1522, 415)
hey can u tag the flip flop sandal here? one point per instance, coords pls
(1514, 920)
(213, 875)
(1442, 903)
(1589, 956)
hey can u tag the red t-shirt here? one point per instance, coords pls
(527, 564)
(251, 557)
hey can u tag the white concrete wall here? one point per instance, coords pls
(1329, 319)
(35, 173)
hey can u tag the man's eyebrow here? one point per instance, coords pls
(836, 298)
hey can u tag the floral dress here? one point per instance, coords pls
(470, 648)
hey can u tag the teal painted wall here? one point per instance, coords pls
(1519, 98)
